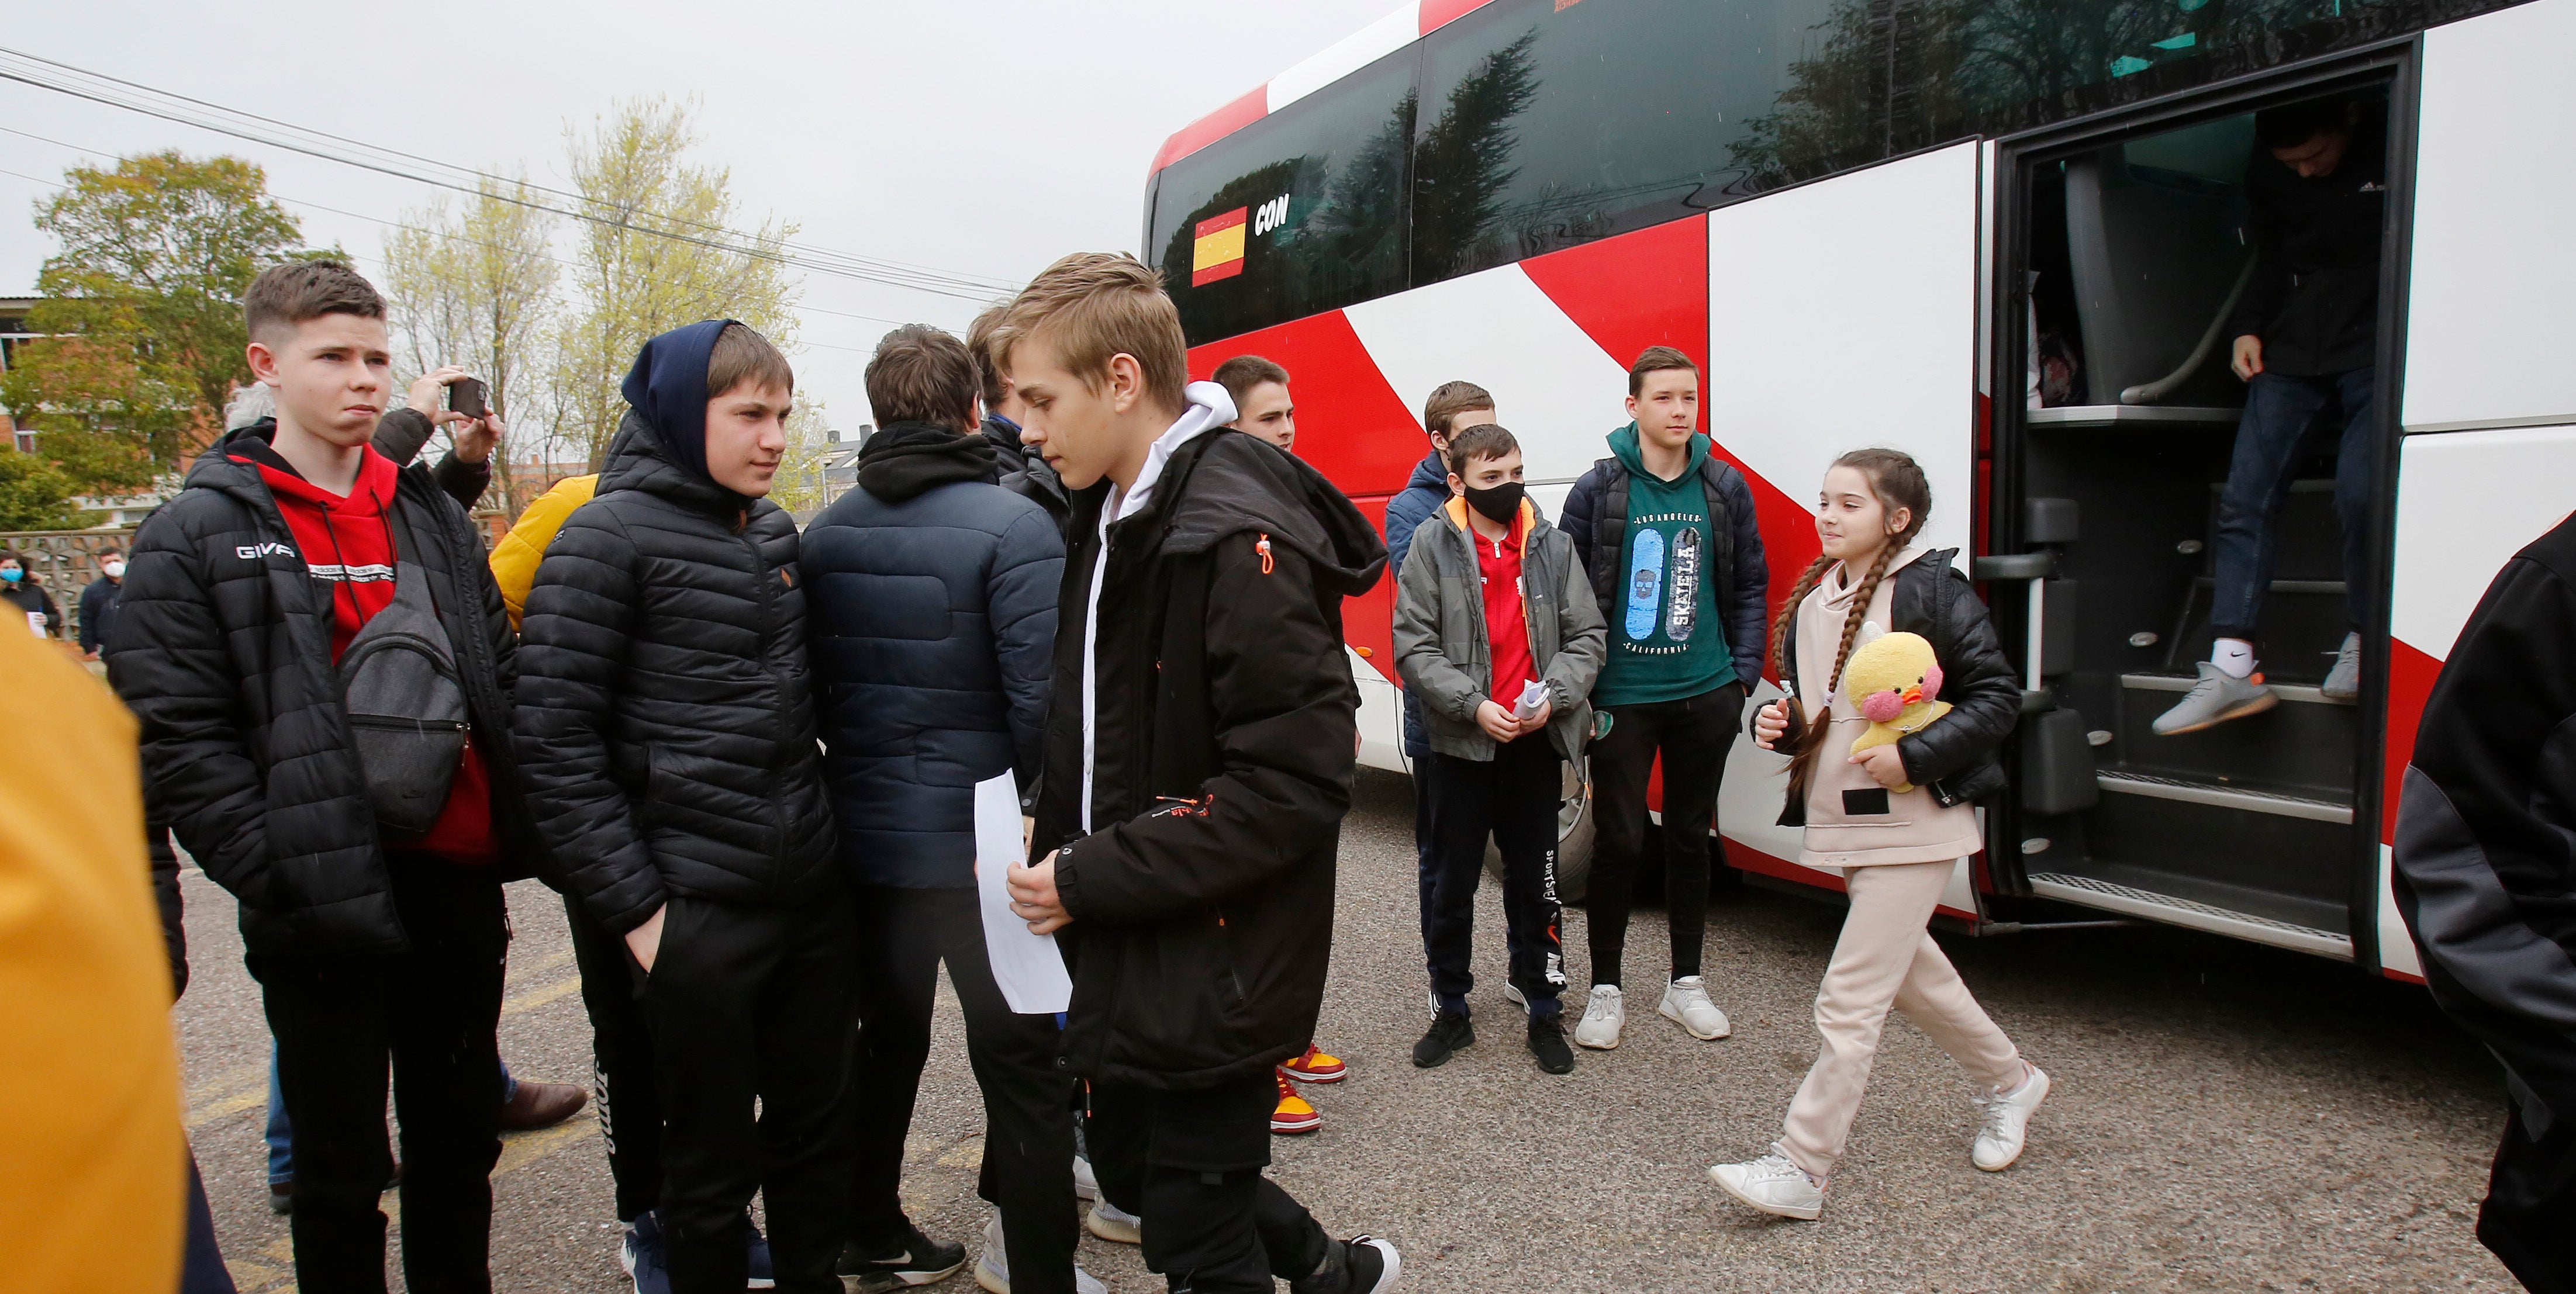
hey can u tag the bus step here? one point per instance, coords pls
(2129, 900)
(2189, 791)
(2302, 747)
(2180, 683)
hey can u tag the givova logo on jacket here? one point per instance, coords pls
(268, 548)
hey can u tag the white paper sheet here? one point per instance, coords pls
(1028, 967)
(1533, 695)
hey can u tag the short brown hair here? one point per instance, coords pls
(1452, 399)
(1656, 359)
(742, 356)
(1242, 373)
(921, 374)
(286, 295)
(1484, 440)
(979, 343)
(1098, 305)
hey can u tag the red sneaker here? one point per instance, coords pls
(1316, 1067)
(1293, 1115)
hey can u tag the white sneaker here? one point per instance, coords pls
(2006, 1121)
(993, 1267)
(1110, 1222)
(1086, 1184)
(1772, 1184)
(1512, 994)
(1686, 1004)
(2343, 682)
(1603, 1017)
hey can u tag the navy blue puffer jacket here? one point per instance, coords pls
(932, 600)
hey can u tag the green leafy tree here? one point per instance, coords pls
(35, 494)
(643, 264)
(142, 311)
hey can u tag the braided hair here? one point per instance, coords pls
(1897, 480)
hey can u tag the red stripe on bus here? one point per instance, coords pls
(1252, 107)
(2410, 684)
(1440, 13)
(1351, 424)
(2400, 976)
(1648, 288)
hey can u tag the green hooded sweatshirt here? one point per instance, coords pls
(1665, 640)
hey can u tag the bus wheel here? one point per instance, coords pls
(1574, 837)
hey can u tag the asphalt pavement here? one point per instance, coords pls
(2225, 1117)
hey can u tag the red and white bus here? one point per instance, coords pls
(1866, 219)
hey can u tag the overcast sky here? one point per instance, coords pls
(985, 136)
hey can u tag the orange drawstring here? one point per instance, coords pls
(1262, 546)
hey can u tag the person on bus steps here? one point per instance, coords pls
(1264, 409)
(1492, 601)
(2485, 860)
(1199, 752)
(1894, 819)
(1262, 406)
(1668, 533)
(2306, 330)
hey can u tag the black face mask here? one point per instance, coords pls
(1499, 504)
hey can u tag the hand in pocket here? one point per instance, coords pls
(645, 941)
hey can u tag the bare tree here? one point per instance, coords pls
(479, 291)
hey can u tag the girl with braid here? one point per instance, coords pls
(1897, 848)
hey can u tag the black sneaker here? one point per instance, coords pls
(1450, 1031)
(912, 1259)
(1547, 1042)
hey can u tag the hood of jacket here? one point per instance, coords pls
(905, 458)
(1624, 447)
(1430, 473)
(1243, 484)
(667, 388)
(1840, 587)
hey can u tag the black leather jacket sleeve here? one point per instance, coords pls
(1977, 682)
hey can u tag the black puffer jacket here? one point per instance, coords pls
(665, 720)
(933, 632)
(222, 647)
(1958, 759)
(1596, 518)
(1202, 904)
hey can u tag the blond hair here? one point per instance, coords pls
(1095, 306)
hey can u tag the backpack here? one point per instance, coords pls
(406, 701)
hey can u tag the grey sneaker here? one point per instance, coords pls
(2218, 697)
(2343, 683)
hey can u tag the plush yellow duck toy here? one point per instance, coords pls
(1892, 680)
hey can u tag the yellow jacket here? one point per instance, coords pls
(91, 1156)
(515, 558)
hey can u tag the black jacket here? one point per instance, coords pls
(1008, 454)
(222, 647)
(1036, 482)
(665, 722)
(932, 622)
(2486, 828)
(1958, 759)
(1596, 517)
(1225, 726)
(2314, 297)
(97, 608)
(27, 596)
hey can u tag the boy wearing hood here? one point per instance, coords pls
(1198, 763)
(933, 630)
(1668, 532)
(667, 729)
(265, 615)
(1491, 603)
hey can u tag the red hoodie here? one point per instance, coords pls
(348, 543)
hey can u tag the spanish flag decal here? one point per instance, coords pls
(1218, 253)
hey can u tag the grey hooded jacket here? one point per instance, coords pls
(1444, 651)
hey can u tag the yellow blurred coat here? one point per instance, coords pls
(515, 558)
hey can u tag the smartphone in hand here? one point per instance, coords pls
(465, 396)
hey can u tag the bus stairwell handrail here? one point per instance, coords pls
(2150, 392)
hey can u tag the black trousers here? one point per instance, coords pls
(904, 935)
(1512, 800)
(2529, 1218)
(431, 1012)
(621, 1061)
(1189, 1163)
(1693, 735)
(752, 1006)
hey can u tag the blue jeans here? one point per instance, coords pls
(281, 1134)
(2283, 415)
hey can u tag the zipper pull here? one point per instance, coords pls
(1262, 546)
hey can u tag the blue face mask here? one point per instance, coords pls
(13, 575)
